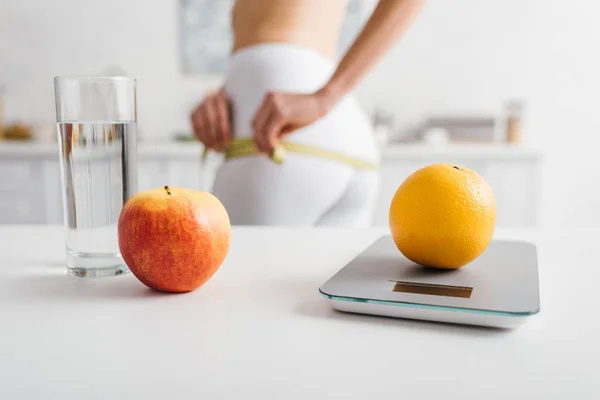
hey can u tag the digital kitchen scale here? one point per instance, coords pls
(499, 289)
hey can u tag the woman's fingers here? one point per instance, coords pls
(266, 135)
(209, 117)
(211, 121)
(198, 124)
(260, 120)
(271, 130)
(267, 123)
(223, 130)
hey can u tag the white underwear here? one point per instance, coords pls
(305, 190)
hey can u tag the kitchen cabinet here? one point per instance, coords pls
(30, 188)
(30, 185)
(513, 173)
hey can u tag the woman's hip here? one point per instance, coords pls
(259, 69)
(300, 191)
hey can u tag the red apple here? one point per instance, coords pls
(174, 239)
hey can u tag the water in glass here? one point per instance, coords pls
(98, 162)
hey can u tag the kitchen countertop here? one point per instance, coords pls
(49, 150)
(259, 329)
(392, 151)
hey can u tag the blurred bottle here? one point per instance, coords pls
(514, 117)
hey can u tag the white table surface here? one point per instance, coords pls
(259, 329)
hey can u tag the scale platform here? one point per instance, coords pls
(498, 289)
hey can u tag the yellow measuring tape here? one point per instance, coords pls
(242, 147)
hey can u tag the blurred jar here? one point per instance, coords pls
(514, 121)
(2, 123)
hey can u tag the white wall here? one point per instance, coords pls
(463, 56)
(468, 56)
(40, 39)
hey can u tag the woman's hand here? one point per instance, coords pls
(211, 121)
(282, 113)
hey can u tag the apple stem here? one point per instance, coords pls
(168, 190)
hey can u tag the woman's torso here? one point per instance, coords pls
(311, 23)
(291, 46)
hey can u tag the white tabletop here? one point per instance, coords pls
(259, 329)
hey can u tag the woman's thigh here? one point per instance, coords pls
(298, 192)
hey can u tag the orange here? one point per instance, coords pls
(443, 216)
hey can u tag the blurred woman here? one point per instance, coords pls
(285, 88)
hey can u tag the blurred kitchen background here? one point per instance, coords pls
(510, 88)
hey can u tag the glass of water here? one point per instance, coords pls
(96, 120)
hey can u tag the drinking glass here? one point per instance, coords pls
(96, 123)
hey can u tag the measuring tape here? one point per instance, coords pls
(243, 147)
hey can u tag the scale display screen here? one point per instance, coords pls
(429, 289)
